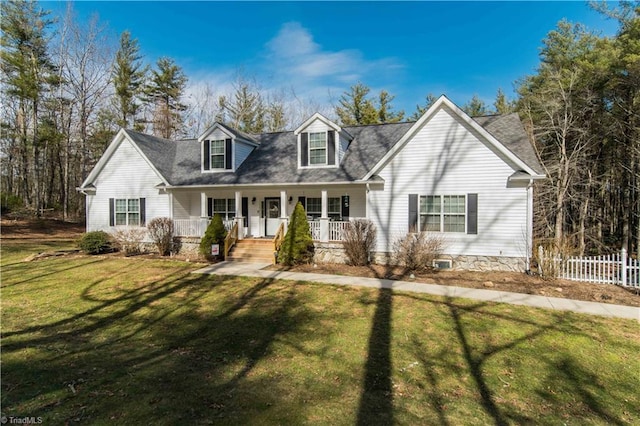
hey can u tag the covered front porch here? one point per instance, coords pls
(259, 212)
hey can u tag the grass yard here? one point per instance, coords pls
(112, 340)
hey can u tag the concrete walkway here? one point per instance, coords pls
(593, 308)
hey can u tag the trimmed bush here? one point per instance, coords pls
(359, 241)
(95, 242)
(215, 234)
(297, 246)
(129, 240)
(160, 230)
(416, 252)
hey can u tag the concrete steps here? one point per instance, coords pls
(252, 250)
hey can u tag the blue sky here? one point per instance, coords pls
(320, 49)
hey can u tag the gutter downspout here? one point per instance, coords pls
(529, 228)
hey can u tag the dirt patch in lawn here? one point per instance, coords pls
(503, 281)
(40, 229)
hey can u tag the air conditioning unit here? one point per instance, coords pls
(443, 263)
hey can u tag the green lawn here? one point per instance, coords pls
(112, 340)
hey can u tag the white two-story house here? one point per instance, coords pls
(467, 179)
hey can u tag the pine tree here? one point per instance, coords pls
(297, 246)
(128, 77)
(28, 74)
(245, 111)
(502, 105)
(420, 110)
(475, 107)
(355, 108)
(385, 114)
(165, 90)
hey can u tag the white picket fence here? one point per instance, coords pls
(615, 268)
(195, 227)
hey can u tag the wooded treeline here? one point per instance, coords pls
(68, 87)
(583, 108)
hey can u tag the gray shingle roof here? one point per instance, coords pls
(509, 131)
(159, 151)
(275, 159)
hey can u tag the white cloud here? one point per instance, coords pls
(295, 68)
(295, 59)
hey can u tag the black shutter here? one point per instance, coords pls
(304, 149)
(245, 211)
(143, 212)
(209, 206)
(227, 155)
(112, 212)
(345, 207)
(206, 161)
(303, 201)
(413, 212)
(472, 213)
(331, 147)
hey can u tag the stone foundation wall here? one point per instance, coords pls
(334, 253)
(329, 253)
(188, 245)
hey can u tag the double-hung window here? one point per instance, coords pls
(314, 208)
(226, 208)
(453, 213)
(127, 212)
(217, 154)
(443, 213)
(318, 148)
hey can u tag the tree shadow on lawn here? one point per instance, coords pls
(162, 353)
(191, 348)
(52, 269)
(566, 375)
(376, 401)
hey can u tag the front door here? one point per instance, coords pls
(272, 215)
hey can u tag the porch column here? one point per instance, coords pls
(203, 205)
(324, 217)
(283, 210)
(239, 220)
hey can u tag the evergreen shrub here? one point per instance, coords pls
(95, 242)
(297, 247)
(215, 234)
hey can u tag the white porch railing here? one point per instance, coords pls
(314, 227)
(195, 227)
(336, 229)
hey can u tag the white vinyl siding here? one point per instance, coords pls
(242, 151)
(125, 176)
(447, 157)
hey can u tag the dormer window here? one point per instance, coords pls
(321, 143)
(318, 148)
(217, 154)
